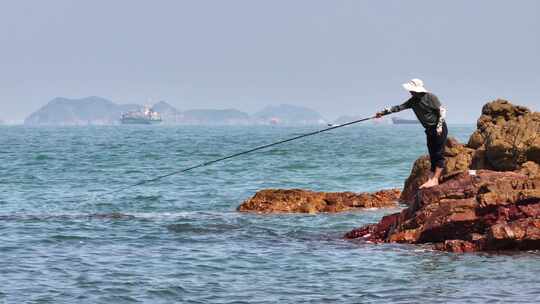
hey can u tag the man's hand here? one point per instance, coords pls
(380, 114)
(439, 130)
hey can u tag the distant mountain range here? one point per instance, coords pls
(100, 111)
(289, 115)
(85, 111)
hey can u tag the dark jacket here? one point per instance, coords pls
(426, 106)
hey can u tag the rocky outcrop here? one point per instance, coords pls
(305, 201)
(489, 196)
(485, 210)
(507, 139)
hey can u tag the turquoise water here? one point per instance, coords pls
(180, 239)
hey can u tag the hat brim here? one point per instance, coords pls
(411, 88)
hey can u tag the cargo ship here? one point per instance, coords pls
(146, 116)
(402, 121)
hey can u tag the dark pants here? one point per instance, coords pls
(435, 143)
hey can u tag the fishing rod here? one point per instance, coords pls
(142, 182)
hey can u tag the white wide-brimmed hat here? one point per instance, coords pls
(415, 85)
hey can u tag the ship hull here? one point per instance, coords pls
(139, 121)
(401, 121)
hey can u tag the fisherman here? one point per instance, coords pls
(432, 116)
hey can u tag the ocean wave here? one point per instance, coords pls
(102, 216)
(202, 227)
(66, 217)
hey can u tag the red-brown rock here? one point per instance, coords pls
(488, 210)
(305, 201)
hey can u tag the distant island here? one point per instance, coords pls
(96, 110)
(290, 115)
(91, 110)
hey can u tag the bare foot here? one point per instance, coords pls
(430, 183)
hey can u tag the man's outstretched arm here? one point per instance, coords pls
(394, 109)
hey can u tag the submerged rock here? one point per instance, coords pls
(486, 210)
(305, 201)
(507, 139)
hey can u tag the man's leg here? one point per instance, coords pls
(431, 145)
(436, 145)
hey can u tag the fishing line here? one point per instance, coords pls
(142, 182)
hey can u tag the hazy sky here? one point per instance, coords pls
(338, 57)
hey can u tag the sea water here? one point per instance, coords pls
(180, 240)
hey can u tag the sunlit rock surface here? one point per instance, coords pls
(305, 201)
